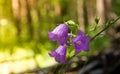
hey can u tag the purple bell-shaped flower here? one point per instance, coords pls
(59, 54)
(59, 34)
(81, 42)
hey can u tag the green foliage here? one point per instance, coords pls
(73, 27)
(70, 51)
(100, 43)
(115, 6)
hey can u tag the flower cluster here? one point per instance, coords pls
(60, 35)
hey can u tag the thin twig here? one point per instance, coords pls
(109, 24)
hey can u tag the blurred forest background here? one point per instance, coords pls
(24, 43)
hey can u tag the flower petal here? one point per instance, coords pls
(59, 54)
(81, 42)
(53, 53)
(59, 34)
(52, 36)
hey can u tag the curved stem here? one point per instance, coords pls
(109, 24)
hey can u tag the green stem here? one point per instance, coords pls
(109, 24)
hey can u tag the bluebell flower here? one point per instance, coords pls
(59, 54)
(81, 42)
(59, 34)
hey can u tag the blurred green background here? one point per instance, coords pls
(24, 43)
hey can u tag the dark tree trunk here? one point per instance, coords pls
(29, 20)
(16, 16)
